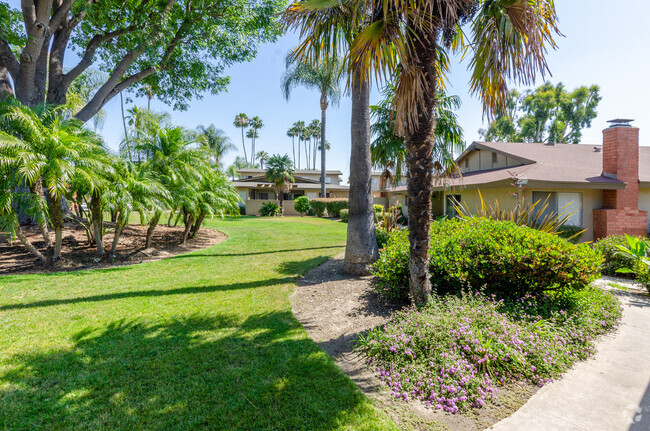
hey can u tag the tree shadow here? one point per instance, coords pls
(253, 253)
(300, 267)
(641, 419)
(151, 293)
(196, 372)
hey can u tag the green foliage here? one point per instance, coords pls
(388, 150)
(270, 209)
(301, 204)
(607, 247)
(534, 216)
(492, 256)
(378, 208)
(454, 353)
(318, 206)
(335, 205)
(345, 215)
(546, 114)
(637, 253)
(382, 236)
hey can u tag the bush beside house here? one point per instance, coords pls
(301, 204)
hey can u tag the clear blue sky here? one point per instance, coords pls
(605, 43)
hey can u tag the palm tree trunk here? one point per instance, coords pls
(119, 227)
(56, 215)
(323, 123)
(97, 220)
(28, 245)
(299, 153)
(419, 150)
(188, 219)
(197, 224)
(306, 155)
(243, 144)
(171, 214)
(361, 248)
(152, 226)
(293, 146)
(37, 190)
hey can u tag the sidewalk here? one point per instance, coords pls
(608, 392)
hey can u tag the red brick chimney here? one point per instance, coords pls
(620, 213)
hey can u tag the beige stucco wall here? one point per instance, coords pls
(401, 200)
(644, 202)
(253, 207)
(591, 199)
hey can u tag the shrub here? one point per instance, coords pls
(301, 204)
(378, 208)
(382, 237)
(494, 256)
(345, 214)
(612, 260)
(334, 206)
(455, 352)
(270, 209)
(318, 206)
(571, 233)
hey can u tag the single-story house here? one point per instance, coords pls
(254, 189)
(606, 187)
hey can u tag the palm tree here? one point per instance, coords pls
(292, 133)
(256, 124)
(305, 136)
(410, 40)
(216, 141)
(279, 171)
(299, 127)
(262, 156)
(315, 131)
(241, 120)
(50, 151)
(389, 150)
(252, 135)
(324, 77)
(327, 30)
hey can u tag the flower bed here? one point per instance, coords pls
(456, 352)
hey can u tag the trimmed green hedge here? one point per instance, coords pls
(496, 257)
(345, 215)
(301, 204)
(332, 205)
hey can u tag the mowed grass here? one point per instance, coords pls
(203, 340)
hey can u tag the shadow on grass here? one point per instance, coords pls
(253, 253)
(150, 293)
(196, 372)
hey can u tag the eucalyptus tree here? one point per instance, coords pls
(410, 40)
(161, 46)
(280, 172)
(324, 77)
(216, 142)
(256, 124)
(242, 121)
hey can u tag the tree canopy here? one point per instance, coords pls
(548, 113)
(175, 49)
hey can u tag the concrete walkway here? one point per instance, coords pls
(608, 392)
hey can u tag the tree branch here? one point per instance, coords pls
(8, 59)
(60, 14)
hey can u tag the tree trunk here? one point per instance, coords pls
(152, 226)
(37, 189)
(97, 220)
(419, 158)
(361, 248)
(323, 123)
(293, 147)
(171, 214)
(188, 219)
(56, 215)
(28, 245)
(5, 84)
(243, 144)
(119, 227)
(197, 224)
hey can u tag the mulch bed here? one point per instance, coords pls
(77, 253)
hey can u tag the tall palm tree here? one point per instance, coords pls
(292, 133)
(305, 136)
(507, 39)
(241, 120)
(256, 124)
(280, 172)
(324, 77)
(327, 30)
(315, 131)
(262, 156)
(299, 127)
(216, 141)
(252, 135)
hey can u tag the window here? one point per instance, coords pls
(375, 183)
(450, 202)
(328, 180)
(494, 159)
(563, 202)
(466, 162)
(263, 196)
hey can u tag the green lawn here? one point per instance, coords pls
(203, 340)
